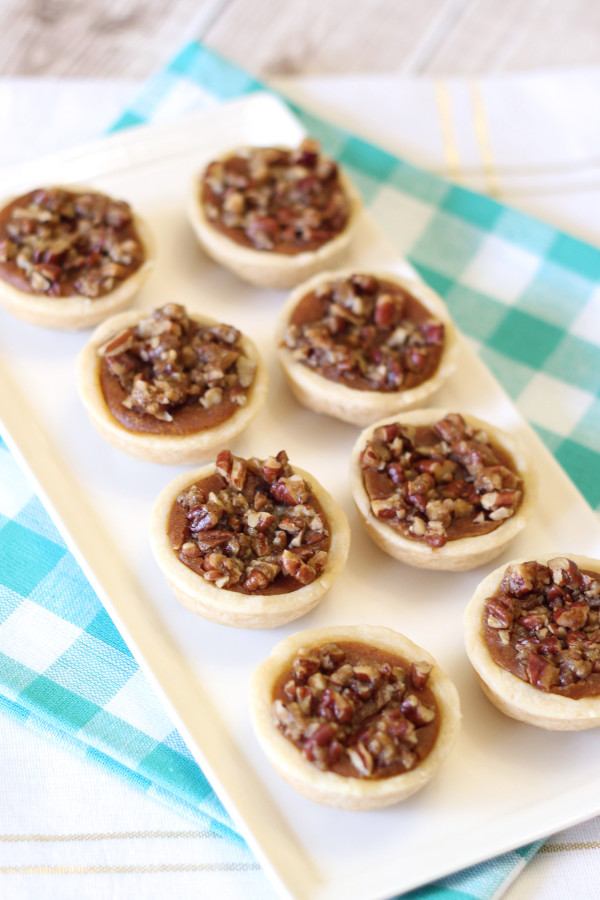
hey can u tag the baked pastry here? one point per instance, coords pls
(360, 346)
(441, 490)
(71, 256)
(274, 215)
(532, 634)
(356, 717)
(170, 387)
(249, 543)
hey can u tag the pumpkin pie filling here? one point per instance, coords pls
(357, 710)
(543, 625)
(60, 243)
(438, 483)
(279, 200)
(172, 375)
(253, 526)
(366, 333)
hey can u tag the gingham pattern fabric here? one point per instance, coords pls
(65, 667)
(527, 296)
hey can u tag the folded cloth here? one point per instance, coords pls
(522, 291)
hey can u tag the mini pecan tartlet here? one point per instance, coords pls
(356, 717)
(247, 542)
(168, 386)
(71, 256)
(274, 215)
(441, 490)
(532, 634)
(362, 345)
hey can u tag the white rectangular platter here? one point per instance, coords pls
(506, 783)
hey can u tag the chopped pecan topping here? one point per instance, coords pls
(287, 201)
(543, 625)
(64, 243)
(366, 333)
(357, 711)
(247, 531)
(168, 360)
(438, 483)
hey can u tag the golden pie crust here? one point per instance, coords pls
(230, 607)
(512, 696)
(456, 555)
(73, 313)
(267, 268)
(327, 787)
(360, 407)
(162, 448)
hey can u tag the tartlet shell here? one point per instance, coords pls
(163, 448)
(71, 313)
(265, 268)
(512, 696)
(354, 406)
(328, 788)
(459, 555)
(236, 609)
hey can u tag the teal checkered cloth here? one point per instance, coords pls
(522, 291)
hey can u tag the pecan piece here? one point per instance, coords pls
(416, 711)
(207, 541)
(500, 613)
(291, 490)
(565, 572)
(232, 468)
(575, 615)
(420, 673)
(272, 469)
(387, 311)
(305, 664)
(361, 759)
(518, 579)
(260, 575)
(417, 490)
(330, 656)
(334, 705)
(205, 517)
(292, 565)
(541, 673)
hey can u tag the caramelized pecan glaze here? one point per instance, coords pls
(254, 527)
(357, 710)
(170, 374)
(63, 243)
(543, 625)
(366, 333)
(439, 483)
(286, 201)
